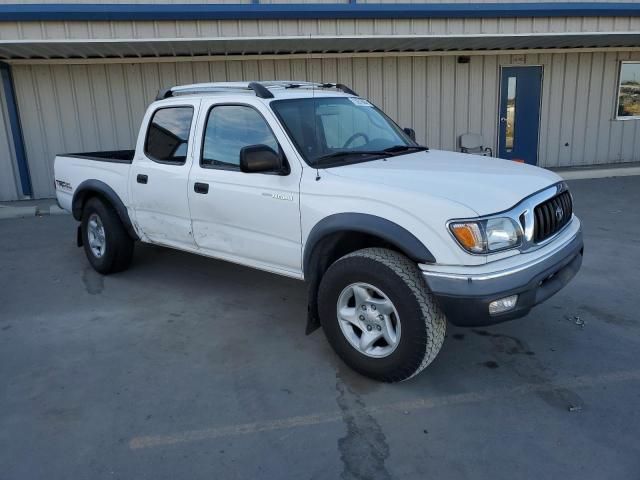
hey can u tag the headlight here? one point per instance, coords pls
(487, 236)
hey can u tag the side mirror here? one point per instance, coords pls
(260, 159)
(411, 133)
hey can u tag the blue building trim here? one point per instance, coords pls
(16, 129)
(256, 11)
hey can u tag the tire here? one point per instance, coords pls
(415, 322)
(115, 256)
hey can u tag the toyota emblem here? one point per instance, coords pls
(559, 213)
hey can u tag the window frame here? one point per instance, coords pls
(146, 136)
(617, 96)
(233, 168)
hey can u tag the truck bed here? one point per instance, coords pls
(116, 156)
(109, 167)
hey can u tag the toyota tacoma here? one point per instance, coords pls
(313, 182)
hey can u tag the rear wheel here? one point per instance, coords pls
(107, 244)
(378, 315)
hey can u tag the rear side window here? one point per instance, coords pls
(168, 135)
(229, 129)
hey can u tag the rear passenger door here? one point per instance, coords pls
(250, 218)
(160, 174)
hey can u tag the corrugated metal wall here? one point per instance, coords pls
(8, 175)
(67, 108)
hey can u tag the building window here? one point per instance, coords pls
(629, 91)
(168, 135)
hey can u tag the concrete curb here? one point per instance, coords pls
(56, 210)
(587, 173)
(17, 212)
(11, 211)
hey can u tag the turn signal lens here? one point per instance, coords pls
(487, 235)
(470, 236)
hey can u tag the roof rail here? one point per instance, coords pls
(261, 89)
(289, 84)
(163, 93)
(345, 89)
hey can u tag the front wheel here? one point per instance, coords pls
(378, 315)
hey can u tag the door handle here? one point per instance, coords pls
(201, 187)
(142, 178)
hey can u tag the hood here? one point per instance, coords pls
(485, 185)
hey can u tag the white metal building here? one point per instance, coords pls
(557, 84)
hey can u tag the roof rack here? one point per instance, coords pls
(290, 84)
(261, 89)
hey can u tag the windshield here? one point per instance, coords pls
(331, 131)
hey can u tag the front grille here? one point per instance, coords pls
(551, 216)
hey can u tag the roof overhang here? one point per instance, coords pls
(220, 46)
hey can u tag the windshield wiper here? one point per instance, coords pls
(405, 148)
(387, 152)
(349, 153)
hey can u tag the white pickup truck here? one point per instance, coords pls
(315, 183)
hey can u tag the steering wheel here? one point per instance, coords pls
(353, 137)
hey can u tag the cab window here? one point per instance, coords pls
(229, 128)
(168, 135)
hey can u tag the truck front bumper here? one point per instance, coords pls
(465, 298)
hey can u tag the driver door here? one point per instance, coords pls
(249, 218)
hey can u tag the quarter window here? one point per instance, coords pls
(629, 90)
(229, 129)
(168, 135)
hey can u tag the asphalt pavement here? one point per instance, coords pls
(187, 367)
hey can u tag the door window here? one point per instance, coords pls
(511, 114)
(229, 128)
(168, 135)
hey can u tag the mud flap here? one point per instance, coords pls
(79, 241)
(313, 320)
